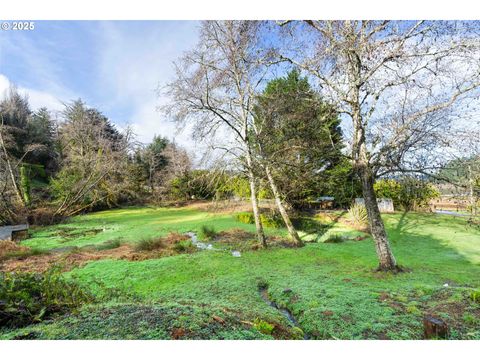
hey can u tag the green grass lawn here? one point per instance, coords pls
(131, 225)
(331, 289)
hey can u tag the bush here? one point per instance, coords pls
(27, 298)
(263, 326)
(357, 214)
(245, 217)
(408, 193)
(185, 246)
(273, 219)
(207, 232)
(150, 244)
(44, 216)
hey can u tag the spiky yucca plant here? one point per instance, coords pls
(357, 214)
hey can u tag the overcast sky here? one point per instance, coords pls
(115, 66)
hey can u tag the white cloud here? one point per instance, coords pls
(37, 98)
(135, 59)
(129, 60)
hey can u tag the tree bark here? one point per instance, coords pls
(286, 219)
(385, 256)
(377, 227)
(471, 184)
(253, 196)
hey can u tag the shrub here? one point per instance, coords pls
(357, 214)
(409, 193)
(272, 219)
(245, 217)
(207, 232)
(390, 189)
(44, 216)
(185, 246)
(32, 297)
(150, 244)
(297, 333)
(413, 309)
(263, 326)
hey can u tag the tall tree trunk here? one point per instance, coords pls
(286, 219)
(471, 184)
(253, 196)
(377, 227)
(362, 165)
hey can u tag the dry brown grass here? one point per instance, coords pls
(8, 247)
(226, 206)
(328, 217)
(79, 257)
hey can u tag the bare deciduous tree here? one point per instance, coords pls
(396, 81)
(215, 86)
(94, 166)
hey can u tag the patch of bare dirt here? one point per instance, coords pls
(443, 303)
(174, 238)
(234, 236)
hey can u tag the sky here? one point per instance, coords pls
(114, 66)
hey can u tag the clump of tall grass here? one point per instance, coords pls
(207, 233)
(150, 244)
(108, 245)
(357, 214)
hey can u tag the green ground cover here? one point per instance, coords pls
(131, 225)
(331, 289)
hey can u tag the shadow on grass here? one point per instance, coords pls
(309, 225)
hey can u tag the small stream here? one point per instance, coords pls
(263, 291)
(200, 245)
(285, 312)
(207, 246)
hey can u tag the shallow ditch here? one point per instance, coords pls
(287, 314)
